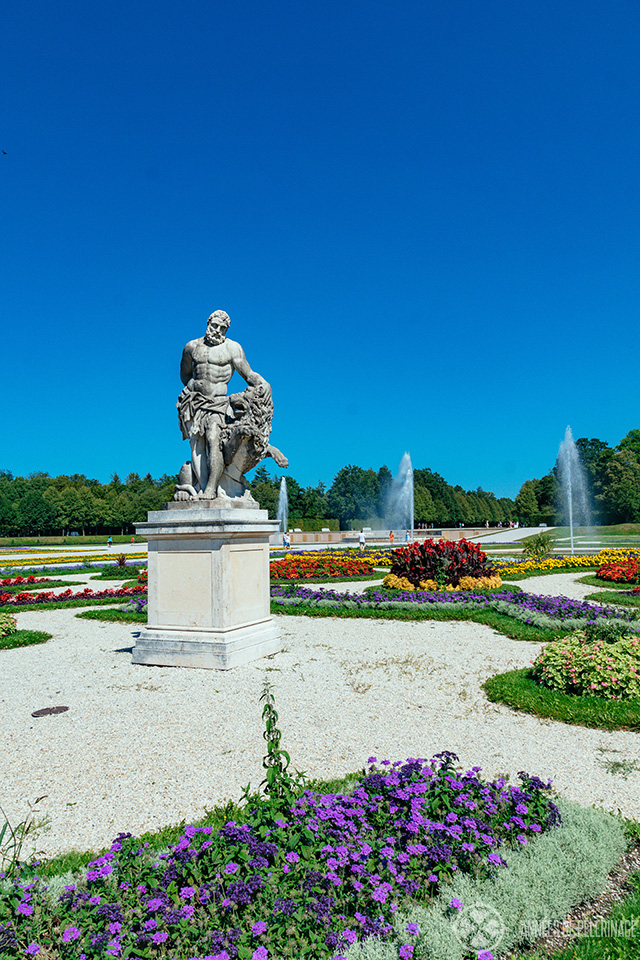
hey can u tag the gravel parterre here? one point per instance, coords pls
(141, 747)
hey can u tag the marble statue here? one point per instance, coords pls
(228, 435)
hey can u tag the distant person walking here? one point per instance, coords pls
(109, 541)
(391, 537)
(406, 537)
(362, 540)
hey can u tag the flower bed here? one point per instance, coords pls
(392, 582)
(442, 562)
(47, 596)
(328, 871)
(545, 612)
(64, 561)
(621, 571)
(550, 564)
(307, 566)
(16, 581)
(578, 666)
(8, 624)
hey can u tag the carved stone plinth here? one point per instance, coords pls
(208, 587)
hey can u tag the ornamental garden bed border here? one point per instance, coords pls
(626, 599)
(590, 581)
(23, 638)
(518, 690)
(61, 604)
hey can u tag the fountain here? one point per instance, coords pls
(399, 505)
(282, 515)
(574, 484)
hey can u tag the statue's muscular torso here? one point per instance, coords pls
(208, 369)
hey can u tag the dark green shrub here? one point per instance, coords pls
(539, 546)
(597, 668)
(444, 561)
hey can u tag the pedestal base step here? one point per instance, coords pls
(209, 649)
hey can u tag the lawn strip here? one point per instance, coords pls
(508, 626)
(518, 690)
(605, 584)
(23, 638)
(116, 573)
(503, 588)
(617, 599)
(63, 604)
(113, 616)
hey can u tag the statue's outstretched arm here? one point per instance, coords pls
(278, 456)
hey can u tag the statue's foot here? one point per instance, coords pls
(207, 494)
(185, 492)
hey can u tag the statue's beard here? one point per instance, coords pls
(213, 339)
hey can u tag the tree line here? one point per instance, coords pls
(43, 505)
(359, 497)
(40, 505)
(613, 478)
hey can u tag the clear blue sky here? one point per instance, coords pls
(422, 217)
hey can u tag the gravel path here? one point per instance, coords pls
(560, 585)
(143, 746)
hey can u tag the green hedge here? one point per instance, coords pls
(312, 524)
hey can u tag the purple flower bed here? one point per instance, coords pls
(139, 605)
(556, 608)
(75, 567)
(329, 871)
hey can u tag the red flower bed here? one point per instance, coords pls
(444, 561)
(306, 567)
(620, 571)
(16, 581)
(25, 599)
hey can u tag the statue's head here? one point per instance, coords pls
(217, 325)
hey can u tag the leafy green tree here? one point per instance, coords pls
(631, 443)
(314, 502)
(35, 514)
(424, 508)
(547, 491)
(621, 494)
(526, 503)
(385, 479)
(8, 515)
(265, 490)
(353, 495)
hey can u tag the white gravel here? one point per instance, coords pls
(560, 585)
(141, 747)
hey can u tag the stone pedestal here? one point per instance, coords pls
(208, 587)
